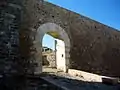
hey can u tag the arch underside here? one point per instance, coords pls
(57, 32)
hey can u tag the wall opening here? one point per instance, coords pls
(53, 53)
(61, 37)
(48, 51)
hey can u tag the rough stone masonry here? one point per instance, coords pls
(94, 47)
(10, 19)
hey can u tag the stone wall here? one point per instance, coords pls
(94, 47)
(10, 19)
(48, 59)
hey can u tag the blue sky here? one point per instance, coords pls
(104, 11)
(49, 41)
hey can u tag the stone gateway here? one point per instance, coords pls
(89, 45)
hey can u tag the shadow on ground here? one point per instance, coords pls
(25, 83)
(12, 82)
(74, 84)
(32, 82)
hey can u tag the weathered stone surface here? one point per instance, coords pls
(9, 37)
(94, 46)
(49, 59)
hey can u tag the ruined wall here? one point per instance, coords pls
(10, 19)
(48, 59)
(94, 47)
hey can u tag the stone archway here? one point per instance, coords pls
(42, 30)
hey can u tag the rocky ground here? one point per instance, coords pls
(69, 82)
(26, 83)
(51, 79)
(40, 84)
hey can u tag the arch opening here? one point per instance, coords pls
(61, 37)
(53, 53)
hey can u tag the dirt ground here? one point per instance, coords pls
(69, 82)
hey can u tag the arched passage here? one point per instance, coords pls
(50, 28)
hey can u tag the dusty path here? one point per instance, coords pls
(68, 82)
